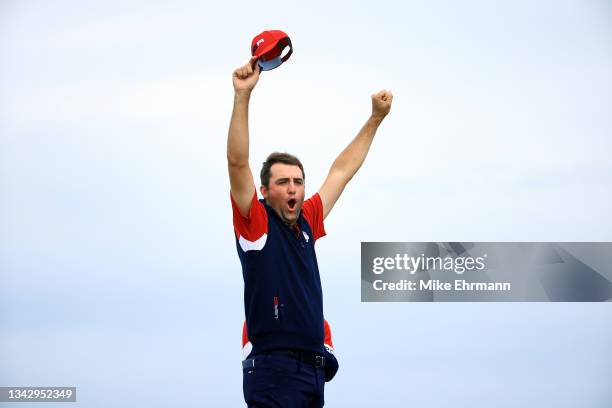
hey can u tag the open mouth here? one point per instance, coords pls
(291, 204)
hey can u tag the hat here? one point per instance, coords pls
(331, 363)
(269, 46)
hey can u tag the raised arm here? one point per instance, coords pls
(242, 186)
(352, 157)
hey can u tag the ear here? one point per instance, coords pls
(264, 191)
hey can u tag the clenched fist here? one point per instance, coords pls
(381, 104)
(245, 78)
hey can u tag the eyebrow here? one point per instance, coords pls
(288, 178)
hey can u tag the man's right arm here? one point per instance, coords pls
(241, 178)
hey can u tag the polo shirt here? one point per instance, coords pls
(283, 299)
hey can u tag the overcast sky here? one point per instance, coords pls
(118, 267)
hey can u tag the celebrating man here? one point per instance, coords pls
(275, 240)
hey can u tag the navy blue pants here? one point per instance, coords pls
(279, 380)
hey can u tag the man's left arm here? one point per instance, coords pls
(352, 157)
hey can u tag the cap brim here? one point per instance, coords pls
(270, 64)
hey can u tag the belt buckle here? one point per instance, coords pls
(319, 361)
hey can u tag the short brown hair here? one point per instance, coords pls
(277, 157)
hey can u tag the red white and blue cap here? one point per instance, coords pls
(269, 47)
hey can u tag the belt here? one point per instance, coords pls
(308, 357)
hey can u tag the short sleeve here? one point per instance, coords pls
(251, 231)
(313, 213)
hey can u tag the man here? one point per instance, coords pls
(331, 363)
(275, 240)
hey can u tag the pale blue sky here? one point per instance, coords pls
(117, 261)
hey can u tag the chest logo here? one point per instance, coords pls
(306, 237)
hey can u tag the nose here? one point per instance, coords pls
(291, 187)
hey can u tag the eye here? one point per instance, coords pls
(299, 181)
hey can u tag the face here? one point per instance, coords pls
(285, 192)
